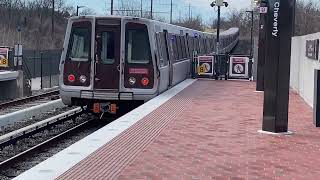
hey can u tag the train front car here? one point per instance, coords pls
(107, 64)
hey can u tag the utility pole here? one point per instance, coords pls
(111, 7)
(52, 21)
(78, 7)
(77, 11)
(151, 9)
(171, 11)
(189, 11)
(141, 8)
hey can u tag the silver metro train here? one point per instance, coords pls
(112, 62)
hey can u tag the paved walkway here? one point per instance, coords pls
(209, 131)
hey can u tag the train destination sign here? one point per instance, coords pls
(239, 67)
(312, 49)
(205, 65)
(4, 56)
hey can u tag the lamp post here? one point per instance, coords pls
(251, 34)
(78, 7)
(218, 3)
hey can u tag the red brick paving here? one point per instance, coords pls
(209, 131)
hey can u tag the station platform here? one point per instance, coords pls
(200, 129)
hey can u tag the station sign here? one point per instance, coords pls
(239, 67)
(205, 65)
(4, 57)
(312, 49)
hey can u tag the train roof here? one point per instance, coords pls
(159, 23)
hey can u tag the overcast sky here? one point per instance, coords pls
(162, 7)
(180, 8)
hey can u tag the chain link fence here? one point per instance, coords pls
(43, 67)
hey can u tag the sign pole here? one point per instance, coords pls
(277, 65)
(262, 46)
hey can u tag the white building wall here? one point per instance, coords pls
(302, 68)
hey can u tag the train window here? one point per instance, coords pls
(190, 45)
(80, 44)
(183, 47)
(201, 46)
(174, 40)
(205, 45)
(107, 47)
(137, 44)
(179, 48)
(195, 45)
(158, 43)
(164, 49)
(159, 48)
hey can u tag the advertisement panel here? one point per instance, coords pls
(312, 49)
(206, 65)
(239, 67)
(4, 57)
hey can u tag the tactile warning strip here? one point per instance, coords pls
(108, 161)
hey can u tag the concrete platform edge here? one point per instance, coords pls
(29, 112)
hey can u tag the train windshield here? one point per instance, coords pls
(80, 42)
(137, 44)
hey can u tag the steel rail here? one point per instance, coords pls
(9, 163)
(12, 137)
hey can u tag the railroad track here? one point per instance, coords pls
(11, 167)
(26, 102)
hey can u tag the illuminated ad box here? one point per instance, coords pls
(4, 57)
(206, 65)
(239, 67)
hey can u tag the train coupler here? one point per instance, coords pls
(105, 108)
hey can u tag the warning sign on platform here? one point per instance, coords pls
(4, 57)
(205, 65)
(239, 67)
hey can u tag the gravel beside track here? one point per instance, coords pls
(27, 122)
(47, 151)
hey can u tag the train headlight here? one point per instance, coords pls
(83, 79)
(145, 81)
(132, 81)
(71, 78)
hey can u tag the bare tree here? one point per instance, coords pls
(33, 19)
(87, 11)
(193, 23)
(307, 18)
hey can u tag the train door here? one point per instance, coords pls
(107, 67)
(166, 53)
(163, 60)
(171, 60)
